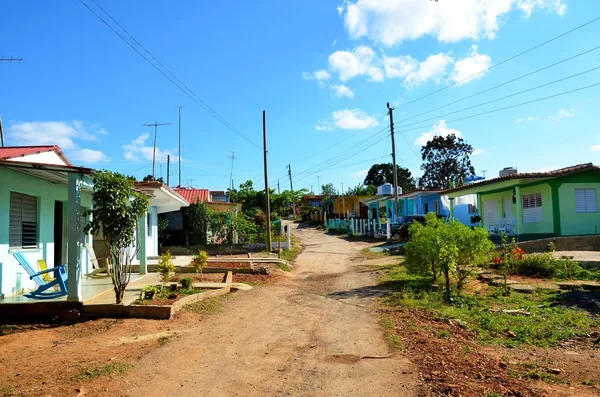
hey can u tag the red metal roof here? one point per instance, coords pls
(526, 175)
(20, 151)
(192, 195)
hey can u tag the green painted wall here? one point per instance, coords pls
(47, 194)
(547, 224)
(572, 222)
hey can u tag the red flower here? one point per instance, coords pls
(496, 260)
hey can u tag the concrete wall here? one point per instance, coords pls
(572, 222)
(47, 193)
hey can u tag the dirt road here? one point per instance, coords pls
(311, 335)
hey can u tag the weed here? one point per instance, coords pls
(208, 306)
(116, 368)
(494, 394)
(293, 252)
(443, 333)
(284, 266)
(588, 383)
(163, 340)
(388, 332)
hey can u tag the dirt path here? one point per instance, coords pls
(311, 335)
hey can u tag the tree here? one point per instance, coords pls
(115, 215)
(361, 190)
(446, 162)
(384, 173)
(328, 189)
(197, 218)
(151, 178)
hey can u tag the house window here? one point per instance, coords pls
(148, 225)
(426, 207)
(175, 220)
(585, 200)
(473, 209)
(23, 231)
(532, 208)
(436, 207)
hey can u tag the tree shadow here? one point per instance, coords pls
(417, 284)
(584, 300)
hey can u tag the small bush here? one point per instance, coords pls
(165, 266)
(199, 261)
(186, 282)
(537, 265)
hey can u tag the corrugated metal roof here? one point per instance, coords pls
(192, 195)
(19, 151)
(527, 175)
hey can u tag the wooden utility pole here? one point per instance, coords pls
(289, 167)
(391, 113)
(269, 247)
(155, 125)
(168, 169)
(179, 154)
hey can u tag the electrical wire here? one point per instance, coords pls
(502, 62)
(193, 96)
(500, 98)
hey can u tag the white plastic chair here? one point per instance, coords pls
(495, 229)
(508, 226)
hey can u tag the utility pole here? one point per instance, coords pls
(311, 190)
(160, 166)
(278, 191)
(155, 125)
(179, 154)
(343, 201)
(289, 167)
(168, 169)
(484, 171)
(1, 132)
(269, 247)
(391, 113)
(231, 174)
(319, 183)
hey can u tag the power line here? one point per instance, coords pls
(502, 62)
(510, 106)
(504, 97)
(504, 83)
(193, 96)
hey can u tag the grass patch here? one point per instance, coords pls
(208, 306)
(166, 294)
(588, 383)
(368, 254)
(116, 368)
(547, 325)
(284, 266)
(163, 340)
(293, 252)
(388, 332)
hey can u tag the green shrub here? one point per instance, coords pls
(199, 261)
(186, 282)
(537, 265)
(165, 266)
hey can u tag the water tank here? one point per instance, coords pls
(385, 189)
(508, 171)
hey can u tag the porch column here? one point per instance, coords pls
(554, 185)
(451, 209)
(74, 238)
(479, 210)
(519, 203)
(405, 206)
(142, 232)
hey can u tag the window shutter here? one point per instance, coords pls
(23, 221)
(585, 200)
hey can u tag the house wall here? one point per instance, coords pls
(572, 222)
(42, 158)
(47, 193)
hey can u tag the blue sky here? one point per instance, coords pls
(322, 70)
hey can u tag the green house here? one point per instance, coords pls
(563, 202)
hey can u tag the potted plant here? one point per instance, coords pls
(475, 219)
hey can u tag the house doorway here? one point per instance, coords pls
(507, 207)
(58, 233)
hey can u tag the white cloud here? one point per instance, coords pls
(439, 129)
(390, 21)
(342, 90)
(136, 150)
(562, 114)
(318, 75)
(478, 152)
(347, 119)
(595, 148)
(359, 174)
(353, 119)
(89, 156)
(361, 61)
(61, 133)
(529, 118)
(469, 66)
(433, 67)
